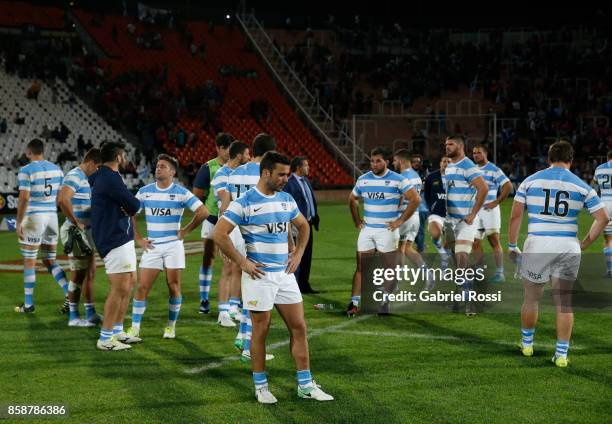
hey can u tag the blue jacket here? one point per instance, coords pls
(434, 192)
(111, 226)
(294, 188)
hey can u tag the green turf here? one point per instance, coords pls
(407, 368)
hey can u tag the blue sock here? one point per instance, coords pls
(138, 310)
(117, 328)
(562, 348)
(248, 331)
(437, 243)
(260, 379)
(527, 336)
(304, 378)
(355, 300)
(90, 310)
(234, 302)
(608, 254)
(29, 281)
(105, 334)
(224, 307)
(205, 279)
(60, 276)
(74, 311)
(174, 307)
(499, 270)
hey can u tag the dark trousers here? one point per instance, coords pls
(303, 272)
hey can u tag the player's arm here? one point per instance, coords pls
(295, 256)
(64, 198)
(600, 213)
(412, 196)
(128, 202)
(221, 237)
(354, 207)
(481, 193)
(226, 198)
(22, 204)
(201, 183)
(146, 244)
(199, 216)
(516, 217)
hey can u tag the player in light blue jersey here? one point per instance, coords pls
(382, 191)
(229, 282)
(553, 199)
(163, 203)
(74, 200)
(489, 217)
(37, 226)
(264, 215)
(603, 178)
(466, 191)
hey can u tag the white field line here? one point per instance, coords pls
(277, 345)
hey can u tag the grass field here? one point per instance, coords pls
(401, 369)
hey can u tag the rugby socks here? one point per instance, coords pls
(248, 331)
(174, 308)
(224, 307)
(260, 379)
(527, 336)
(29, 281)
(138, 310)
(304, 378)
(608, 254)
(74, 311)
(234, 302)
(205, 279)
(562, 348)
(59, 275)
(499, 270)
(356, 300)
(90, 310)
(117, 328)
(105, 334)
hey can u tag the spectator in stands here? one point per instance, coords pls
(3, 126)
(19, 120)
(66, 156)
(34, 90)
(180, 138)
(81, 145)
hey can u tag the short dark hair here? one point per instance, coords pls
(270, 160)
(93, 154)
(263, 143)
(170, 159)
(36, 146)
(224, 140)
(378, 151)
(237, 148)
(482, 147)
(456, 137)
(110, 149)
(561, 151)
(297, 162)
(403, 154)
(609, 154)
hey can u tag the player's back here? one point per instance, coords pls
(81, 200)
(242, 179)
(381, 197)
(603, 176)
(553, 198)
(43, 180)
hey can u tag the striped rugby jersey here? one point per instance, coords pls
(381, 197)
(414, 180)
(264, 225)
(603, 176)
(78, 182)
(460, 195)
(164, 209)
(553, 198)
(43, 180)
(242, 179)
(219, 182)
(495, 178)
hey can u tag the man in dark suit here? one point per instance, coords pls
(299, 187)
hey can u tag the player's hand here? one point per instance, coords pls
(490, 205)
(252, 269)
(19, 231)
(80, 225)
(181, 234)
(359, 224)
(515, 254)
(393, 225)
(293, 263)
(146, 244)
(470, 219)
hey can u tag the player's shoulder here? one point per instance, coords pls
(179, 189)
(393, 176)
(239, 170)
(604, 167)
(283, 196)
(149, 188)
(76, 172)
(367, 176)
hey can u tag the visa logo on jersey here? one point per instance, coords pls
(160, 212)
(279, 227)
(376, 195)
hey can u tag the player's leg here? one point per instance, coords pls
(529, 314)
(120, 286)
(225, 282)
(29, 253)
(365, 246)
(477, 252)
(464, 239)
(87, 292)
(434, 226)
(499, 257)
(206, 268)
(562, 295)
(608, 250)
(175, 299)
(78, 274)
(261, 326)
(139, 303)
(50, 236)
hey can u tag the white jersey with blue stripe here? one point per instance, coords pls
(164, 209)
(43, 180)
(460, 195)
(242, 179)
(381, 197)
(219, 182)
(264, 223)
(415, 182)
(495, 179)
(77, 181)
(603, 176)
(553, 198)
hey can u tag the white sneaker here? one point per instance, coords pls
(313, 391)
(112, 344)
(224, 320)
(128, 338)
(263, 395)
(169, 333)
(246, 357)
(234, 313)
(78, 322)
